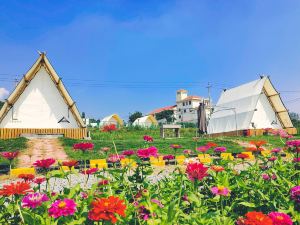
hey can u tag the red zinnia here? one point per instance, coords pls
(9, 155)
(196, 171)
(106, 209)
(103, 182)
(109, 128)
(211, 144)
(242, 156)
(26, 177)
(70, 163)
(255, 218)
(44, 163)
(83, 146)
(148, 138)
(90, 171)
(18, 188)
(39, 180)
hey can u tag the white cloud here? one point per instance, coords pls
(3, 93)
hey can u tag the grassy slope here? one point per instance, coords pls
(12, 145)
(133, 139)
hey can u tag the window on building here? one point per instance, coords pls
(184, 111)
(179, 116)
(190, 102)
(179, 110)
(183, 104)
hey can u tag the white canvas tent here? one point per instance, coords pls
(41, 104)
(112, 119)
(145, 121)
(255, 105)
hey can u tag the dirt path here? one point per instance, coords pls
(41, 149)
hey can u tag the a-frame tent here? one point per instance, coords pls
(252, 106)
(40, 104)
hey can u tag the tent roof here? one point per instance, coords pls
(24, 82)
(145, 118)
(243, 99)
(114, 116)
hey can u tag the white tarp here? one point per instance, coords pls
(244, 107)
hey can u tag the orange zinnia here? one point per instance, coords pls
(255, 218)
(19, 188)
(70, 163)
(106, 209)
(217, 168)
(258, 144)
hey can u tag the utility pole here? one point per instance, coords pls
(209, 86)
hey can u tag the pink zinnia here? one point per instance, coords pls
(147, 152)
(187, 151)
(148, 138)
(34, 200)
(279, 218)
(9, 155)
(203, 148)
(90, 171)
(295, 193)
(128, 152)
(296, 160)
(265, 176)
(168, 157)
(113, 158)
(157, 202)
(272, 159)
(276, 150)
(220, 190)
(196, 171)
(44, 163)
(220, 149)
(63, 207)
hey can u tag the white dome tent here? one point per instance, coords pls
(112, 119)
(254, 105)
(145, 121)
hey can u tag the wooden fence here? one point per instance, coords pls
(75, 133)
(251, 132)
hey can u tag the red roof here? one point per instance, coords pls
(191, 97)
(162, 109)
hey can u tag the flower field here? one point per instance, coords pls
(258, 186)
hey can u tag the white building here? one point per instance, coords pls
(186, 107)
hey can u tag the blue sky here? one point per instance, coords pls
(119, 56)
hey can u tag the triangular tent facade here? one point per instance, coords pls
(255, 105)
(40, 103)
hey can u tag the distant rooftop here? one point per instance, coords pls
(162, 109)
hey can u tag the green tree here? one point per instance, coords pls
(167, 114)
(134, 116)
(295, 119)
(1, 104)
